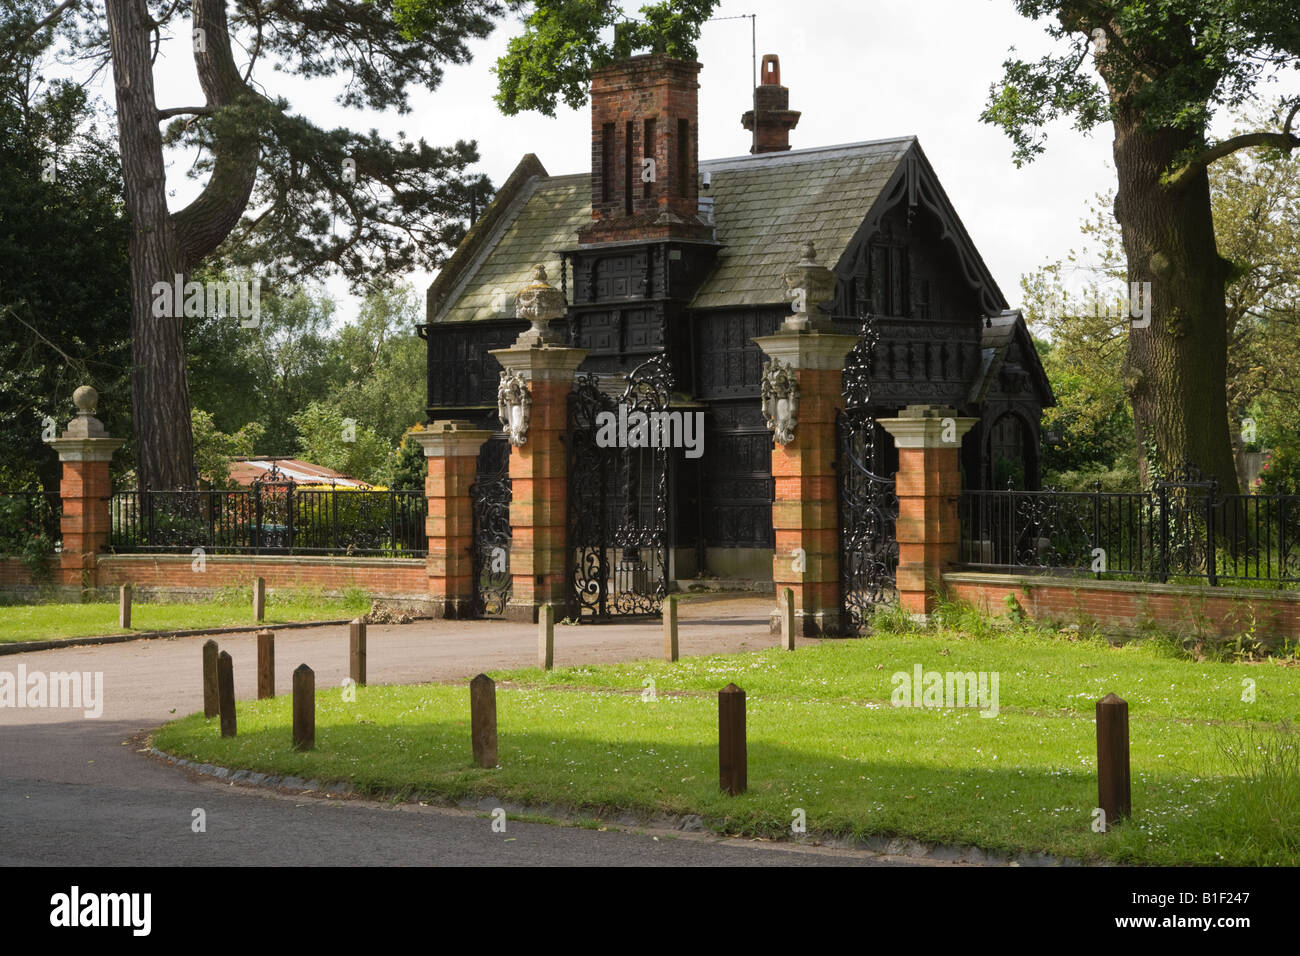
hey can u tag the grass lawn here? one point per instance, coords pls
(229, 608)
(1216, 779)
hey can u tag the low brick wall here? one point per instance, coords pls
(379, 577)
(1128, 606)
(175, 575)
(15, 577)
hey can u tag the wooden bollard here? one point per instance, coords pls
(546, 636)
(787, 618)
(483, 720)
(211, 699)
(124, 607)
(670, 628)
(259, 599)
(357, 651)
(265, 664)
(226, 693)
(732, 757)
(1114, 795)
(304, 708)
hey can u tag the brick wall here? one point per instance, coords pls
(378, 577)
(1128, 606)
(14, 575)
(624, 96)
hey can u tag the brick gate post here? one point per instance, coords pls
(533, 403)
(802, 388)
(451, 448)
(85, 450)
(928, 438)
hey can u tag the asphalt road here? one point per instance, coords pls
(77, 791)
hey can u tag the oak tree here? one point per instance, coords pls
(1163, 68)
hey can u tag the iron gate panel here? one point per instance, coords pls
(273, 512)
(490, 500)
(617, 501)
(868, 502)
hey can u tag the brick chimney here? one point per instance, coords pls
(775, 118)
(645, 151)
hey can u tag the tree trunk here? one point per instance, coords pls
(163, 246)
(160, 404)
(1175, 372)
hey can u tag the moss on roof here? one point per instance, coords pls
(765, 208)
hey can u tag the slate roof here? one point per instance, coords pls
(765, 208)
(997, 336)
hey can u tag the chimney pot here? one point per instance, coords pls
(772, 102)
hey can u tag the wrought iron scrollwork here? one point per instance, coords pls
(490, 498)
(618, 500)
(868, 503)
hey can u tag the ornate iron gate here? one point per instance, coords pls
(868, 504)
(618, 497)
(490, 497)
(273, 512)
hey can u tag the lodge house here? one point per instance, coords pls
(662, 256)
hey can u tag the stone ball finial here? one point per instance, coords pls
(809, 253)
(86, 399)
(539, 273)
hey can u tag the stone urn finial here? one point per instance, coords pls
(539, 303)
(809, 286)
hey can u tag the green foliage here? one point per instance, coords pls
(1266, 762)
(328, 438)
(224, 607)
(410, 466)
(214, 450)
(23, 537)
(1123, 478)
(1171, 63)
(564, 40)
(1081, 344)
(825, 738)
(64, 315)
(257, 381)
(266, 374)
(382, 363)
(1256, 209)
(1281, 473)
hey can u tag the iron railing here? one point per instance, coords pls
(271, 519)
(26, 514)
(1178, 531)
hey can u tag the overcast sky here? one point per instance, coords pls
(857, 69)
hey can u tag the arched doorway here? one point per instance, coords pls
(1010, 457)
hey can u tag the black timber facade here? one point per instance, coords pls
(947, 337)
